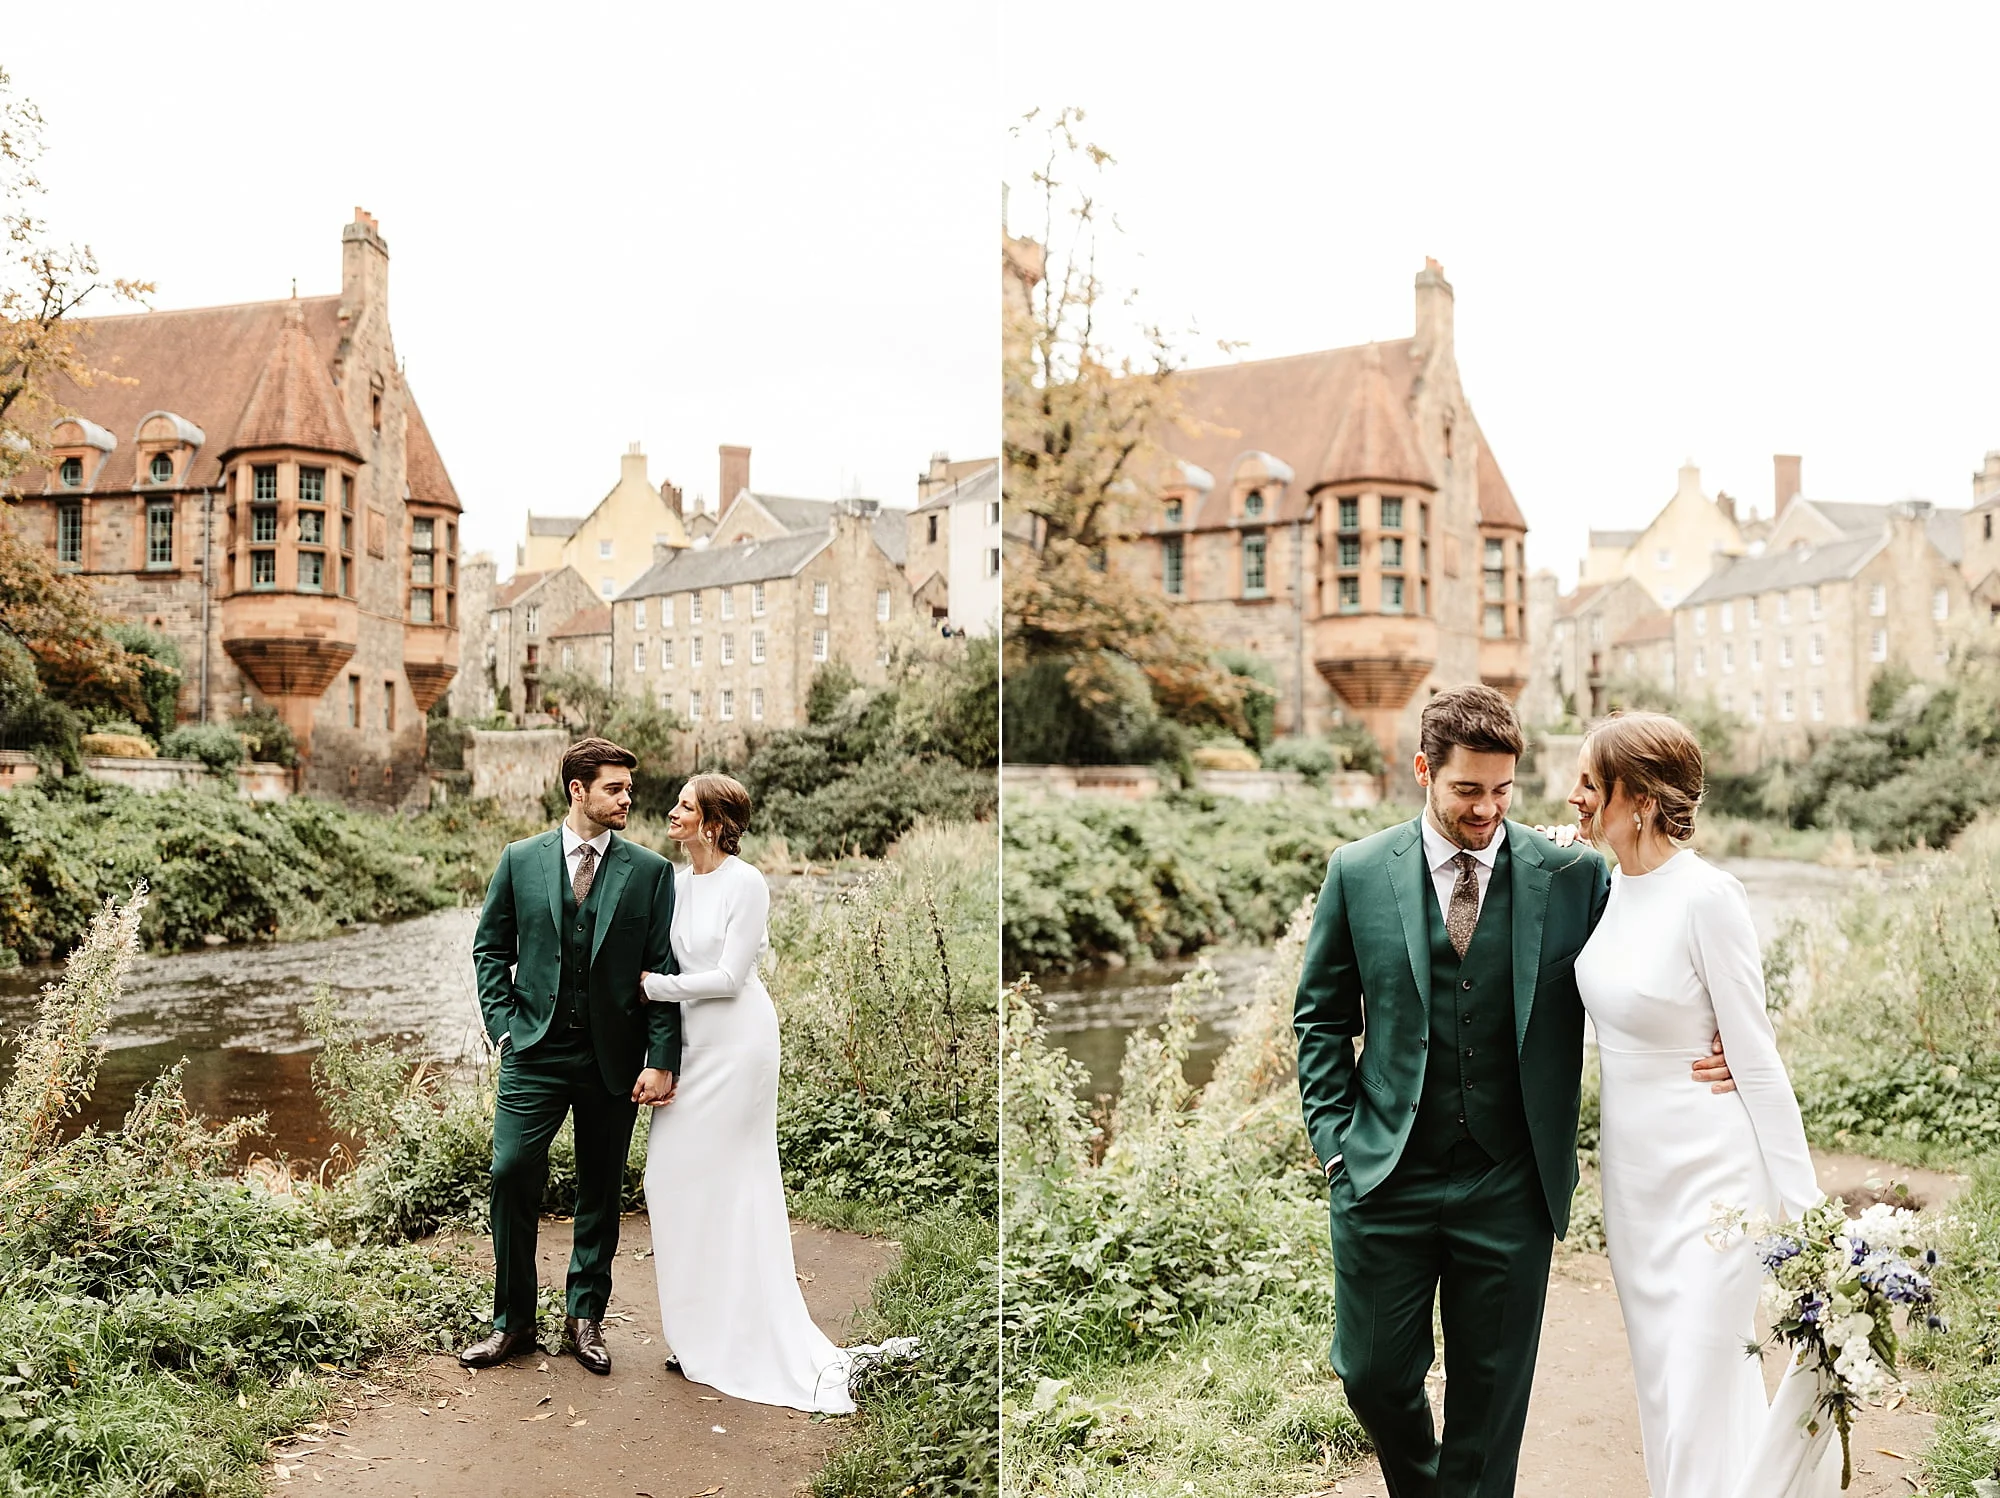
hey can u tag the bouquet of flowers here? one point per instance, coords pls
(1833, 1286)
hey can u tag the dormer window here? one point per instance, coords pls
(1173, 512)
(1253, 505)
(71, 473)
(161, 469)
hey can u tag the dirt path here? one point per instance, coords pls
(1583, 1424)
(541, 1427)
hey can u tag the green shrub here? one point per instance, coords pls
(214, 744)
(236, 869)
(158, 660)
(1046, 723)
(266, 738)
(867, 809)
(1313, 758)
(1257, 680)
(1087, 879)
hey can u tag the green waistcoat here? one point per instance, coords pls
(573, 988)
(1472, 1081)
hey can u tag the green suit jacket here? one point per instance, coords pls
(1368, 970)
(517, 954)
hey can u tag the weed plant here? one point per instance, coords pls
(1167, 1287)
(161, 1322)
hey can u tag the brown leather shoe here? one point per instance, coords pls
(497, 1349)
(586, 1340)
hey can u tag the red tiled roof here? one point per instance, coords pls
(423, 469)
(1375, 439)
(1496, 500)
(293, 403)
(591, 621)
(514, 587)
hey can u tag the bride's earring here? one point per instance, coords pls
(1638, 823)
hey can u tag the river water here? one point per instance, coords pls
(1092, 1014)
(237, 1014)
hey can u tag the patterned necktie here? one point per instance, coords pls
(1464, 913)
(586, 870)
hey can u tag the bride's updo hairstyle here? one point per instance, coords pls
(1651, 755)
(725, 808)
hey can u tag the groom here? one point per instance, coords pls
(1450, 1142)
(572, 917)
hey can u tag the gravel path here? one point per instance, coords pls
(542, 1427)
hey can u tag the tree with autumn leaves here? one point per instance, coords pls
(1080, 442)
(59, 662)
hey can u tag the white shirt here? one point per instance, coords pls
(573, 850)
(1439, 851)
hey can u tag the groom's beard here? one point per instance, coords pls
(1474, 836)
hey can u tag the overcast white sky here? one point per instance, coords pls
(678, 224)
(1702, 231)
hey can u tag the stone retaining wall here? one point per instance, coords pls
(515, 767)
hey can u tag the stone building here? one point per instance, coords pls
(582, 643)
(953, 546)
(614, 543)
(1341, 515)
(1789, 640)
(730, 635)
(473, 689)
(257, 483)
(1605, 632)
(526, 609)
(1981, 543)
(1678, 547)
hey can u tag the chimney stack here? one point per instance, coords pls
(364, 269)
(1434, 313)
(735, 474)
(671, 493)
(632, 466)
(1786, 466)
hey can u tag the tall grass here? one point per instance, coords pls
(1167, 1286)
(160, 1321)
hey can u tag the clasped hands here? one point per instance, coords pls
(655, 1087)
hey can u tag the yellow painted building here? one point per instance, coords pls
(1679, 547)
(613, 545)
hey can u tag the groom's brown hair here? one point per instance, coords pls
(1475, 717)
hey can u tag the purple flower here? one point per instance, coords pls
(1774, 1250)
(1812, 1308)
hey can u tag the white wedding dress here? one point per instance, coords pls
(730, 1305)
(1674, 962)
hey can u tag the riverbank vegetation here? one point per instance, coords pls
(1167, 1287)
(227, 869)
(161, 1321)
(1092, 880)
(1889, 1014)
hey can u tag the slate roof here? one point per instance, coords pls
(727, 566)
(891, 533)
(563, 526)
(1794, 567)
(796, 514)
(1620, 540)
(981, 484)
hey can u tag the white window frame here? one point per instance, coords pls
(728, 603)
(639, 656)
(1701, 620)
(756, 647)
(667, 654)
(729, 650)
(1819, 704)
(1728, 618)
(757, 704)
(694, 608)
(822, 596)
(694, 652)
(667, 612)
(1878, 600)
(1787, 705)
(725, 710)
(694, 706)
(1700, 661)
(1878, 646)
(882, 605)
(756, 600)
(1940, 604)
(1817, 654)
(638, 613)
(822, 646)
(604, 550)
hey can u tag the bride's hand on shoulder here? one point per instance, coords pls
(1561, 836)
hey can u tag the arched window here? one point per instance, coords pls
(71, 472)
(162, 469)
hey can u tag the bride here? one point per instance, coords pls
(730, 1305)
(1674, 961)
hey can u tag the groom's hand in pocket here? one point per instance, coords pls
(1714, 1069)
